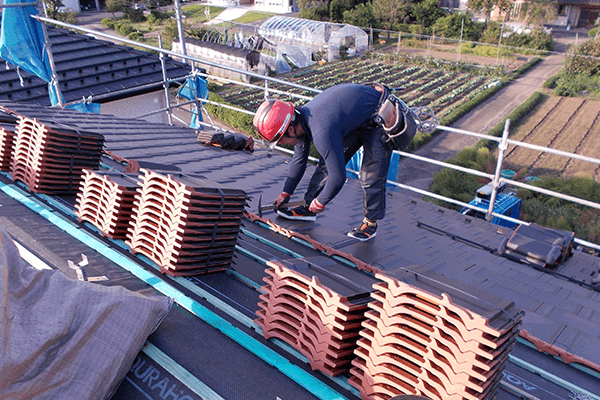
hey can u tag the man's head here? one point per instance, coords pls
(272, 120)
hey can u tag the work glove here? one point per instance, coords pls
(282, 199)
(316, 207)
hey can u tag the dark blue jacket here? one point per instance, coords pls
(327, 119)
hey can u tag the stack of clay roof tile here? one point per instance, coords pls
(317, 306)
(105, 200)
(7, 139)
(429, 336)
(50, 160)
(186, 224)
(8, 122)
(226, 140)
(538, 245)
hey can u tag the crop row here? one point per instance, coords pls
(421, 86)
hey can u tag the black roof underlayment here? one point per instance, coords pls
(561, 306)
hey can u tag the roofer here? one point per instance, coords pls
(339, 121)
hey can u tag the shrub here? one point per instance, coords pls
(577, 85)
(456, 185)
(235, 119)
(108, 22)
(583, 59)
(134, 16)
(561, 214)
(137, 36)
(152, 19)
(125, 29)
(551, 82)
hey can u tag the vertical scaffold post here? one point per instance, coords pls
(502, 146)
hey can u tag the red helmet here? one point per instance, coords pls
(272, 119)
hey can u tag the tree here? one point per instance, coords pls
(54, 9)
(316, 10)
(337, 8)
(486, 6)
(450, 27)
(388, 11)
(113, 6)
(426, 12)
(538, 12)
(361, 15)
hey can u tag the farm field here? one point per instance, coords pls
(422, 86)
(562, 123)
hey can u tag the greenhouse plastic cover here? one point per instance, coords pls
(316, 35)
(299, 56)
(22, 43)
(61, 338)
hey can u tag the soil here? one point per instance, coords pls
(510, 64)
(562, 123)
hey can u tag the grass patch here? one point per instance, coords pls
(251, 16)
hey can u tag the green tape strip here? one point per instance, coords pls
(184, 376)
(551, 377)
(581, 367)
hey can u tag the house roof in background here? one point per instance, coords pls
(562, 309)
(90, 67)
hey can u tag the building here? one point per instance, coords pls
(127, 82)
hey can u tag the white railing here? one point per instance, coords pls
(496, 179)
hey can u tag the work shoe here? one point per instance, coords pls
(300, 213)
(366, 231)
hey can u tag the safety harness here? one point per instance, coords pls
(398, 121)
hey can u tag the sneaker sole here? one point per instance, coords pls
(296, 218)
(362, 239)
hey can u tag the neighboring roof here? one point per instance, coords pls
(562, 309)
(90, 67)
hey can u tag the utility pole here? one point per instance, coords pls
(500, 40)
(462, 24)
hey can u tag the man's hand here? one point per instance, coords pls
(316, 207)
(282, 199)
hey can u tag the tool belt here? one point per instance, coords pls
(397, 120)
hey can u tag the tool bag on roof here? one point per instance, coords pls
(398, 121)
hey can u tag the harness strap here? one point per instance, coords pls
(385, 93)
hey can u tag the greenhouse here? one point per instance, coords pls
(314, 36)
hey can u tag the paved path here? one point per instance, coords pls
(446, 144)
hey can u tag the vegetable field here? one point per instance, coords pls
(422, 86)
(564, 123)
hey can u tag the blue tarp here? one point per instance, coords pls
(194, 87)
(356, 161)
(86, 107)
(22, 43)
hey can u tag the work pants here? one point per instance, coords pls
(373, 171)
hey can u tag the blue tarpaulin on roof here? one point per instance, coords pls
(194, 87)
(22, 43)
(86, 107)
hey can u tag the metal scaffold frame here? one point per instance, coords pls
(496, 179)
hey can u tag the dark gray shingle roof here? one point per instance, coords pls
(90, 67)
